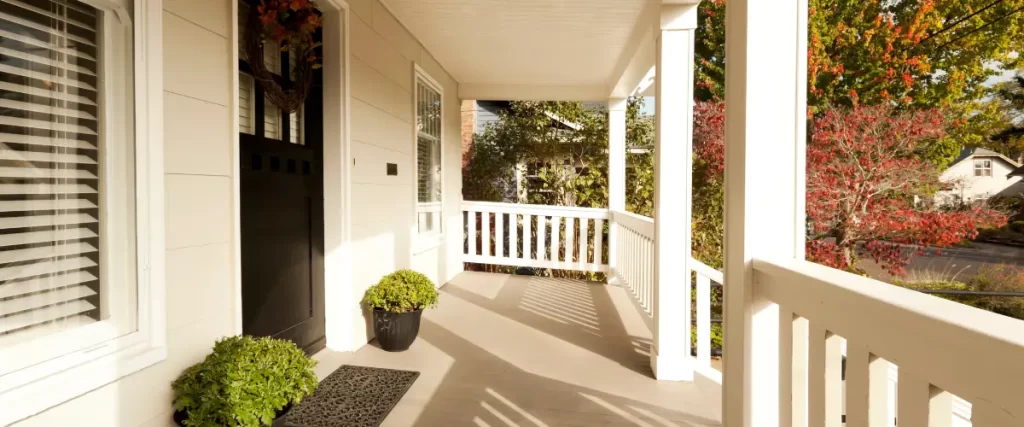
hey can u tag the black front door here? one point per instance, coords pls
(282, 222)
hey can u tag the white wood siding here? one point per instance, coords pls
(383, 54)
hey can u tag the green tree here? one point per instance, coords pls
(570, 142)
(1010, 101)
(911, 53)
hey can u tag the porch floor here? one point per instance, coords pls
(504, 350)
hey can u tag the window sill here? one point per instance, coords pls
(56, 389)
(423, 243)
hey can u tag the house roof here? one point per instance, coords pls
(972, 152)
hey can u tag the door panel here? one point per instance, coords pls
(282, 221)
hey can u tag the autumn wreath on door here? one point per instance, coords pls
(290, 24)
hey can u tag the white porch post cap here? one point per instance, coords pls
(681, 15)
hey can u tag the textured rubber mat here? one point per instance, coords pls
(352, 396)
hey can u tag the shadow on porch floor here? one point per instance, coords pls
(525, 351)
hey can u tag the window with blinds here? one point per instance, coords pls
(52, 144)
(428, 158)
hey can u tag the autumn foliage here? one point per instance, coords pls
(863, 173)
(862, 178)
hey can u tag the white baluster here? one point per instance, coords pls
(541, 226)
(499, 235)
(527, 236)
(485, 233)
(584, 241)
(797, 364)
(513, 236)
(921, 404)
(703, 320)
(472, 232)
(598, 242)
(555, 235)
(867, 388)
(570, 236)
(825, 378)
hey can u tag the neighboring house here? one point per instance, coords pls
(477, 115)
(979, 174)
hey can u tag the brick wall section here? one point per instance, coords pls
(468, 126)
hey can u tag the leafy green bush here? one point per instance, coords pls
(716, 336)
(244, 382)
(401, 291)
(1017, 226)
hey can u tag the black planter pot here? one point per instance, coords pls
(180, 417)
(396, 331)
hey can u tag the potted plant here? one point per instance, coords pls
(246, 381)
(397, 302)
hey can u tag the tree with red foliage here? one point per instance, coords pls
(864, 170)
(864, 180)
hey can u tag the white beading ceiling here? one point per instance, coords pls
(557, 43)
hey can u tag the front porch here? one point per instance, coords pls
(504, 350)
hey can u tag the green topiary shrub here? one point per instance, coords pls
(244, 382)
(401, 291)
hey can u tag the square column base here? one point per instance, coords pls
(676, 367)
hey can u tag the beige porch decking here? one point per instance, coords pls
(505, 350)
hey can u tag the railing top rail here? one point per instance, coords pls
(706, 271)
(639, 223)
(632, 215)
(528, 209)
(972, 353)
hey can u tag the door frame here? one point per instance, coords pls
(343, 307)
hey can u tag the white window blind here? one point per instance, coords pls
(295, 127)
(271, 120)
(50, 167)
(428, 158)
(246, 104)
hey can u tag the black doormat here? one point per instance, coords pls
(352, 396)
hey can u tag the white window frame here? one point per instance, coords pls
(31, 390)
(979, 166)
(426, 241)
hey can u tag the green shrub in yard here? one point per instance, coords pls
(244, 382)
(716, 336)
(1017, 226)
(990, 278)
(401, 291)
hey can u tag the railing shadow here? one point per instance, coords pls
(483, 389)
(580, 313)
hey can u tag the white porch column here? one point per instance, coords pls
(765, 119)
(670, 352)
(616, 177)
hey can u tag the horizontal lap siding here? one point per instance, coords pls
(383, 210)
(198, 135)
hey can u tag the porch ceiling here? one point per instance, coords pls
(523, 49)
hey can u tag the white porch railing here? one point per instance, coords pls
(521, 235)
(634, 257)
(634, 268)
(705, 277)
(944, 351)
